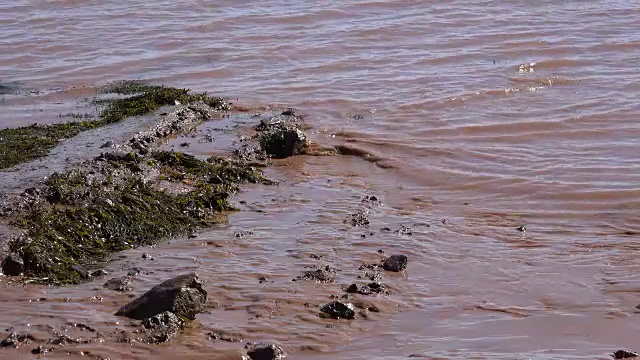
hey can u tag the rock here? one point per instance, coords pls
(320, 275)
(624, 354)
(338, 310)
(358, 218)
(108, 144)
(280, 136)
(41, 350)
(521, 228)
(182, 295)
(162, 327)
(353, 288)
(395, 263)
(12, 265)
(99, 273)
(119, 283)
(14, 339)
(265, 352)
(82, 272)
(147, 256)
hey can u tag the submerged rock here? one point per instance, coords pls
(320, 275)
(395, 263)
(12, 265)
(182, 295)
(338, 310)
(265, 352)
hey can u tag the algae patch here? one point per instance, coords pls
(82, 216)
(19, 145)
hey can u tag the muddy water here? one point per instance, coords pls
(485, 116)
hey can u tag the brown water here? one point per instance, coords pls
(489, 114)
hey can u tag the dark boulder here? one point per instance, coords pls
(182, 295)
(281, 137)
(14, 339)
(395, 263)
(265, 352)
(338, 310)
(624, 354)
(12, 265)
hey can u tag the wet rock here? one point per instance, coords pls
(119, 283)
(265, 352)
(338, 310)
(41, 350)
(224, 337)
(182, 295)
(320, 275)
(107, 144)
(98, 273)
(289, 112)
(14, 339)
(352, 289)
(162, 327)
(395, 263)
(521, 228)
(358, 218)
(82, 272)
(624, 354)
(147, 256)
(12, 265)
(280, 136)
(64, 340)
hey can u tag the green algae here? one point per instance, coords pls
(144, 99)
(19, 145)
(84, 217)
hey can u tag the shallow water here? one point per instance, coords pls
(488, 114)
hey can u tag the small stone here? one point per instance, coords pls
(184, 144)
(395, 263)
(624, 354)
(165, 319)
(338, 310)
(108, 144)
(521, 228)
(40, 350)
(147, 256)
(12, 265)
(98, 273)
(353, 288)
(373, 308)
(289, 112)
(265, 352)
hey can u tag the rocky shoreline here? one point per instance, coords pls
(135, 194)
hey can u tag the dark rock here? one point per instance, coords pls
(338, 310)
(162, 327)
(358, 218)
(262, 279)
(373, 308)
(119, 283)
(624, 354)
(395, 263)
(147, 256)
(182, 295)
(265, 352)
(353, 288)
(107, 145)
(98, 273)
(521, 228)
(41, 350)
(12, 265)
(14, 339)
(280, 136)
(320, 275)
(289, 112)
